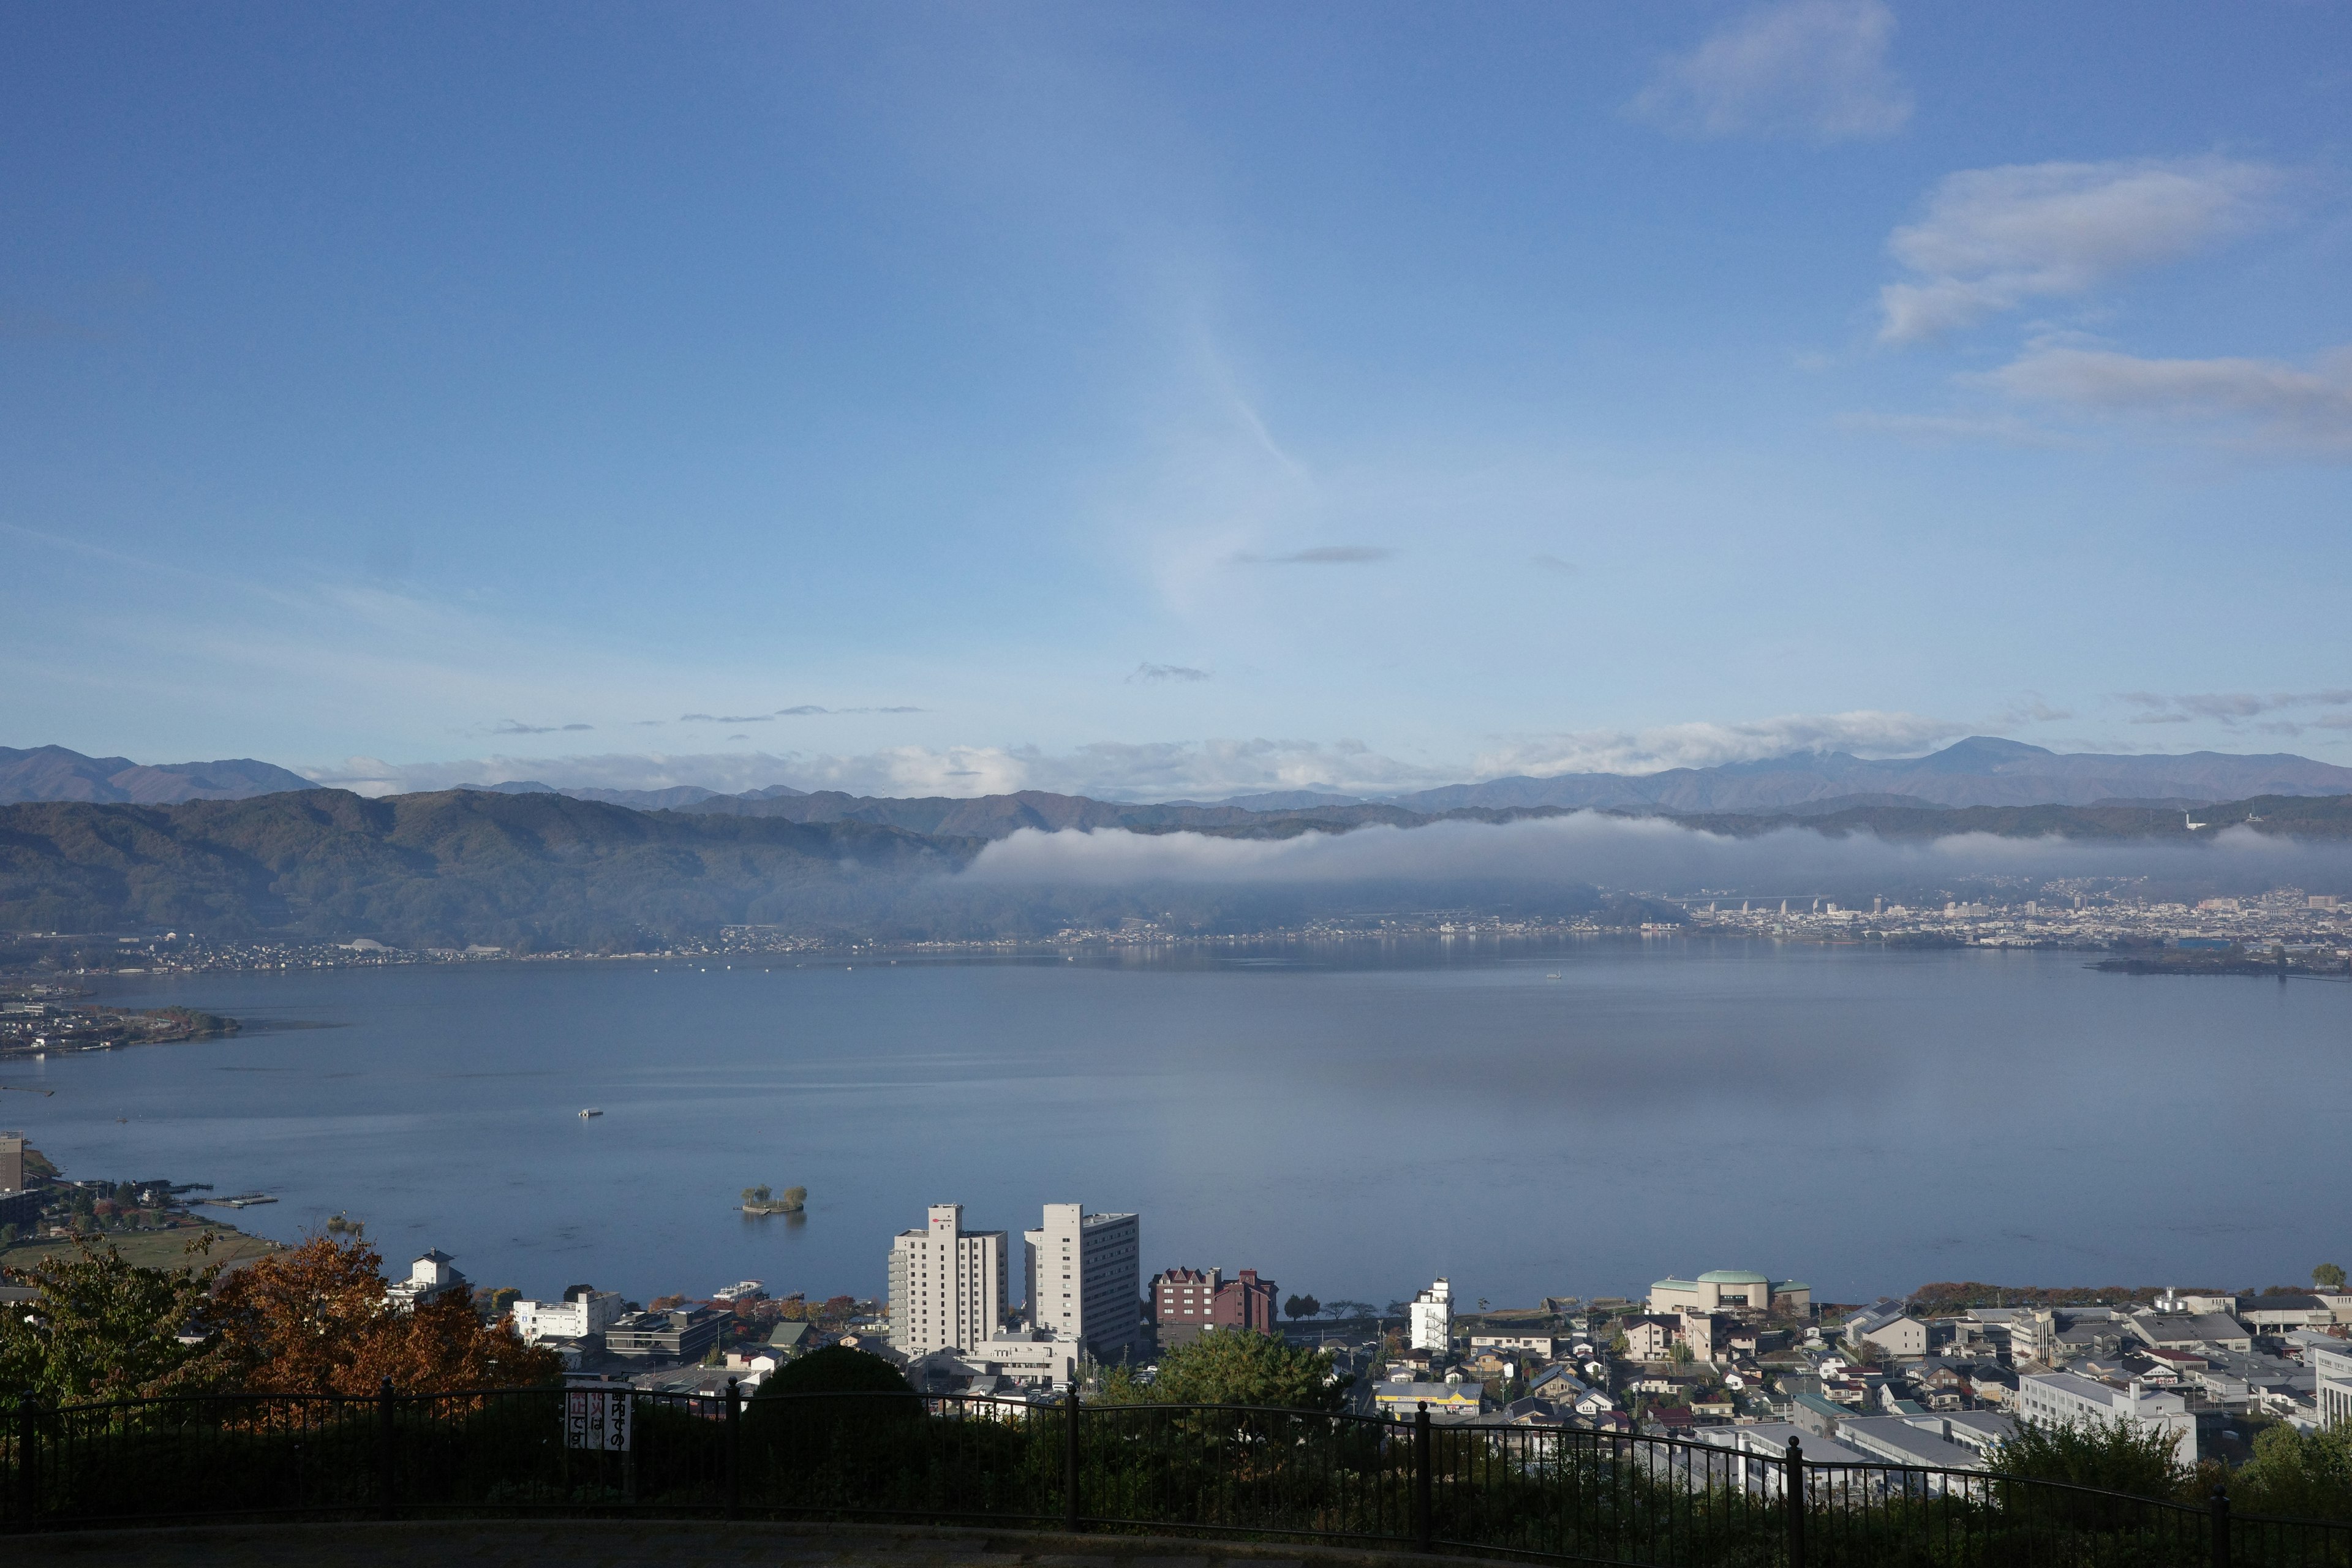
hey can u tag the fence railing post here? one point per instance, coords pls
(2218, 1525)
(734, 1447)
(1070, 1458)
(1425, 1527)
(1792, 1492)
(387, 1500)
(27, 1500)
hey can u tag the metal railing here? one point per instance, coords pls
(1540, 1493)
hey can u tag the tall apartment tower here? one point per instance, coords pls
(947, 1284)
(12, 1162)
(1085, 1280)
(1433, 1318)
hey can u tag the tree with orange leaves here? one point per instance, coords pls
(315, 1319)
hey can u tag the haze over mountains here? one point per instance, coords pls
(1982, 771)
(117, 846)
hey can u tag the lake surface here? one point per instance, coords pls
(1863, 1119)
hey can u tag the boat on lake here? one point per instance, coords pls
(592, 1110)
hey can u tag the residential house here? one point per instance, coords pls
(1817, 1414)
(1888, 1324)
(1403, 1397)
(1542, 1346)
(1707, 1335)
(1648, 1336)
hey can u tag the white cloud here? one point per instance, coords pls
(1992, 240)
(2260, 403)
(1706, 745)
(1806, 68)
(1647, 854)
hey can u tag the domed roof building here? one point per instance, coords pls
(1735, 1288)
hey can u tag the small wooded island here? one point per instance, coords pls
(760, 1200)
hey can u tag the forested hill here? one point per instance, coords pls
(541, 870)
(444, 869)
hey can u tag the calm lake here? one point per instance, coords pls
(1352, 1126)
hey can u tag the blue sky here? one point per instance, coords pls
(1177, 400)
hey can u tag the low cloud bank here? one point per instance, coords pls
(1642, 853)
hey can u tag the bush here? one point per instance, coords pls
(2299, 1475)
(836, 1369)
(2111, 1458)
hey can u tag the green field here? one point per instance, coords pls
(150, 1249)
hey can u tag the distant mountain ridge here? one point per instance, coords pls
(53, 772)
(1981, 771)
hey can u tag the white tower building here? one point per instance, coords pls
(1085, 1278)
(947, 1284)
(1432, 1317)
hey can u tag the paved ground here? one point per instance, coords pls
(599, 1543)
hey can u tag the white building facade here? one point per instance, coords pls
(1085, 1280)
(1430, 1317)
(584, 1314)
(947, 1284)
(2333, 1393)
(430, 1276)
(2063, 1399)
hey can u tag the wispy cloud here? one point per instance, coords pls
(1812, 69)
(2232, 710)
(725, 717)
(2031, 710)
(1944, 429)
(512, 727)
(1157, 672)
(1553, 563)
(2256, 404)
(1321, 555)
(1993, 239)
(1708, 744)
(808, 709)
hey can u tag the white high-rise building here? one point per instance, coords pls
(1432, 1317)
(584, 1313)
(947, 1284)
(1085, 1278)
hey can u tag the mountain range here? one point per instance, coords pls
(534, 868)
(53, 772)
(1980, 771)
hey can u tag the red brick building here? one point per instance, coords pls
(1185, 1301)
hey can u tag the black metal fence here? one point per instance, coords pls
(1544, 1493)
